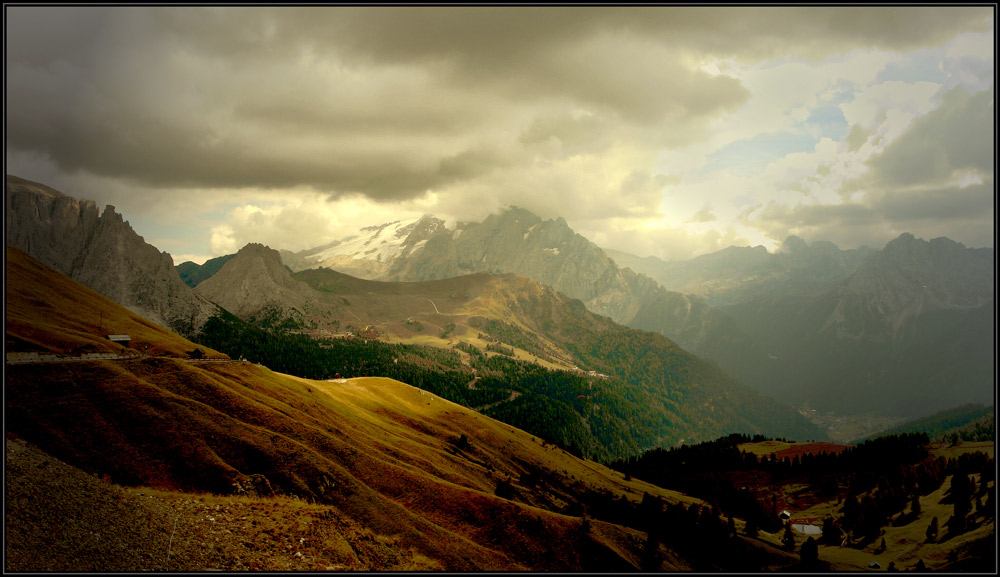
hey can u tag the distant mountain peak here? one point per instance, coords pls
(253, 280)
(257, 248)
(794, 244)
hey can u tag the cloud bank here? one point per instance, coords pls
(659, 130)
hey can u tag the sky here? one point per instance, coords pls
(667, 131)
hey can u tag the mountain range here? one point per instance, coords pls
(170, 453)
(901, 331)
(519, 242)
(644, 391)
(897, 331)
(649, 392)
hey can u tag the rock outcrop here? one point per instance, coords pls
(102, 252)
(255, 283)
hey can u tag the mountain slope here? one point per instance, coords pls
(101, 251)
(255, 282)
(517, 241)
(192, 273)
(975, 421)
(50, 313)
(901, 331)
(908, 333)
(438, 485)
(620, 390)
(739, 274)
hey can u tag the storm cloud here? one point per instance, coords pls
(596, 114)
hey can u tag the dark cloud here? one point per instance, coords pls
(42, 35)
(947, 139)
(962, 214)
(391, 102)
(572, 134)
(939, 204)
(266, 66)
(474, 162)
(490, 39)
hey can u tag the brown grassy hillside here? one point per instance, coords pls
(378, 450)
(48, 312)
(368, 473)
(62, 519)
(437, 313)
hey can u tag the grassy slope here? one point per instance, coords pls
(62, 519)
(906, 543)
(435, 305)
(376, 452)
(50, 312)
(699, 399)
(376, 449)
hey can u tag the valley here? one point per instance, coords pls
(849, 428)
(318, 421)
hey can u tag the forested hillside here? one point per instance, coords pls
(638, 400)
(970, 422)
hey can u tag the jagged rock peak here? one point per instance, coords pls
(254, 280)
(794, 244)
(905, 246)
(257, 248)
(101, 252)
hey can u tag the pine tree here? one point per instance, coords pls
(809, 554)
(932, 530)
(751, 530)
(789, 538)
(961, 496)
(830, 533)
(915, 507)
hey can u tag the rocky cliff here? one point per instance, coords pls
(101, 251)
(255, 283)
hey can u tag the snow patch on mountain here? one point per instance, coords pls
(383, 243)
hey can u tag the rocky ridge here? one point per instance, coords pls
(255, 280)
(101, 251)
